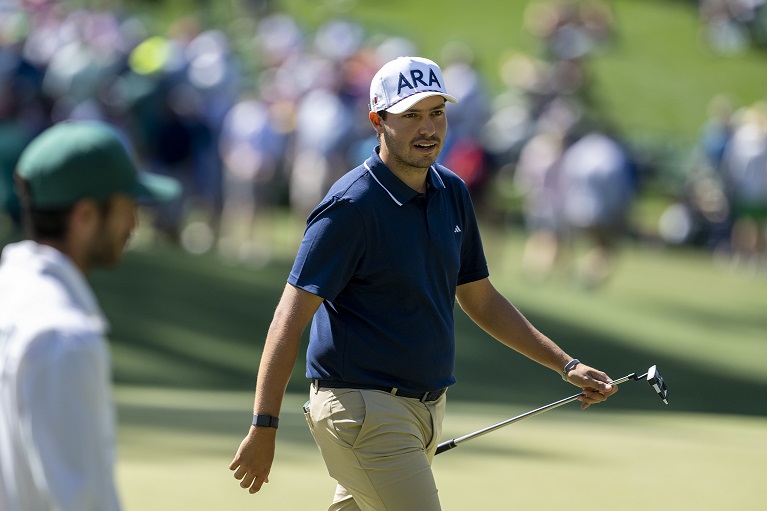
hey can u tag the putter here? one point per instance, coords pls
(652, 375)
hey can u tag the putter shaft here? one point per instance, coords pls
(446, 446)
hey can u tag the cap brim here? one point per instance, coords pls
(409, 101)
(152, 188)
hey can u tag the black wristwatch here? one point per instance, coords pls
(266, 421)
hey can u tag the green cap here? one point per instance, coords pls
(75, 160)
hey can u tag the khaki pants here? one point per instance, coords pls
(379, 448)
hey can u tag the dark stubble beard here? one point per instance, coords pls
(398, 152)
(107, 247)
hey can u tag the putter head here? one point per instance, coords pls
(657, 382)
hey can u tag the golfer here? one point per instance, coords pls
(384, 257)
(78, 189)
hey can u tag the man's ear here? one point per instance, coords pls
(376, 121)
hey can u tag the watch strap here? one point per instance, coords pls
(266, 421)
(574, 362)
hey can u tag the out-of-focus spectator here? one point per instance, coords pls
(570, 32)
(277, 38)
(717, 130)
(214, 76)
(511, 122)
(537, 180)
(570, 189)
(700, 212)
(463, 151)
(323, 128)
(187, 83)
(732, 26)
(570, 29)
(557, 80)
(335, 74)
(596, 188)
(251, 146)
(744, 168)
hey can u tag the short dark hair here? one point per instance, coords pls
(382, 114)
(49, 223)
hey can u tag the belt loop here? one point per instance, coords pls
(423, 398)
(394, 391)
(316, 385)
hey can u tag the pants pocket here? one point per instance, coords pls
(337, 415)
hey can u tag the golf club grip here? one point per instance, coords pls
(445, 446)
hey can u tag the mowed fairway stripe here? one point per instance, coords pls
(175, 446)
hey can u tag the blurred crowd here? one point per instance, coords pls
(722, 203)
(263, 113)
(733, 26)
(246, 122)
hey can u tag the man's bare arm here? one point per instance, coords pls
(253, 461)
(499, 318)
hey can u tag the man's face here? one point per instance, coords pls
(115, 230)
(414, 138)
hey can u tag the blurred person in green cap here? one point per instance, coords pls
(79, 191)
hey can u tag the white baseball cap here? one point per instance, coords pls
(403, 82)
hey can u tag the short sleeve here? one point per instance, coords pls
(332, 249)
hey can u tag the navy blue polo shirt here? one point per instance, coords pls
(387, 261)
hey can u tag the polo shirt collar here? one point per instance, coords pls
(399, 192)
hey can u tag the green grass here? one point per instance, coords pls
(188, 331)
(660, 77)
(175, 446)
(192, 322)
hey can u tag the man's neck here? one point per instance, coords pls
(66, 248)
(415, 178)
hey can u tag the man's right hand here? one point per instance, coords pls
(253, 461)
